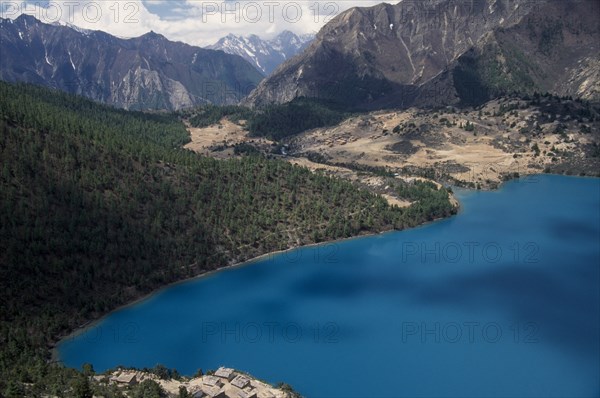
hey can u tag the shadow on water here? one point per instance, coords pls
(565, 307)
(566, 310)
(372, 287)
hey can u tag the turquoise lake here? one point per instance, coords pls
(501, 300)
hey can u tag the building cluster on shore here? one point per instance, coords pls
(223, 383)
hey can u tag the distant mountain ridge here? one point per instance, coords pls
(143, 73)
(444, 52)
(265, 55)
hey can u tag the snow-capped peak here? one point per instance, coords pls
(74, 27)
(265, 55)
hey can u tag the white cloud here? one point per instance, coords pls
(192, 21)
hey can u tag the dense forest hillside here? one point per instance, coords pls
(99, 206)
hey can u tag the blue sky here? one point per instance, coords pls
(196, 22)
(169, 10)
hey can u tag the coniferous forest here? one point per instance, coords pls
(100, 206)
(274, 121)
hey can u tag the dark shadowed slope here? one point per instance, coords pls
(442, 52)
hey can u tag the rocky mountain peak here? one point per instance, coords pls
(26, 19)
(152, 35)
(391, 55)
(147, 72)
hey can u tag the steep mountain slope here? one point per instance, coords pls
(555, 48)
(440, 52)
(147, 72)
(265, 55)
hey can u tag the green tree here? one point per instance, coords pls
(183, 392)
(87, 369)
(82, 388)
(147, 389)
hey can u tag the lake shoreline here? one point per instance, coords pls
(54, 348)
(381, 287)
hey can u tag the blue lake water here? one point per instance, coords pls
(501, 300)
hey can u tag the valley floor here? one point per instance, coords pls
(475, 148)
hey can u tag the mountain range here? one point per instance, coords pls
(445, 52)
(265, 55)
(426, 53)
(143, 73)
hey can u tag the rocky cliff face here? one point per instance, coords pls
(432, 52)
(265, 55)
(147, 72)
